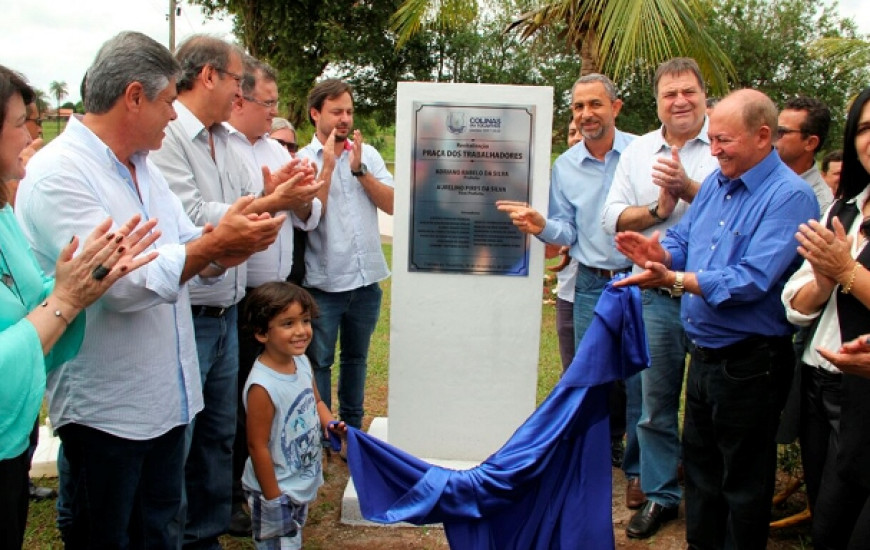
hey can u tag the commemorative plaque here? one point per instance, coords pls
(465, 158)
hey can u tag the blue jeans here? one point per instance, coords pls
(353, 313)
(734, 397)
(565, 331)
(658, 431)
(587, 291)
(208, 472)
(128, 491)
(66, 488)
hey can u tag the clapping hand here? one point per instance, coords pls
(105, 257)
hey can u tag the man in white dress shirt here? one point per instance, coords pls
(656, 179)
(122, 405)
(249, 125)
(343, 261)
(207, 175)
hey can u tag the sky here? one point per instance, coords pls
(49, 40)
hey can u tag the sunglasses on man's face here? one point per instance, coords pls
(291, 146)
(37, 121)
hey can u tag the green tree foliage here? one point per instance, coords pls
(770, 42)
(41, 99)
(303, 37)
(610, 37)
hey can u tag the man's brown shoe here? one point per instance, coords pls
(634, 496)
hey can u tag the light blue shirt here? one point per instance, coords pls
(207, 187)
(738, 238)
(137, 374)
(344, 251)
(295, 434)
(578, 187)
(274, 263)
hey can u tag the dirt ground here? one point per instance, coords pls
(325, 530)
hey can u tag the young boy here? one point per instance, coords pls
(286, 417)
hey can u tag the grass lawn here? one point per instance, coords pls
(42, 534)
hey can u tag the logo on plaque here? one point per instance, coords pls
(456, 122)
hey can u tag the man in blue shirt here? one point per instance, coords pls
(344, 262)
(731, 254)
(580, 180)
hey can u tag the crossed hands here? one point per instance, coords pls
(670, 176)
(293, 185)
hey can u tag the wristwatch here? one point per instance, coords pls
(654, 211)
(678, 288)
(363, 170)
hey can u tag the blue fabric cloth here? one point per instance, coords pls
(549, 487)
(743, 250)
(578, 188)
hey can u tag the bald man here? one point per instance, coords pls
(730, 256)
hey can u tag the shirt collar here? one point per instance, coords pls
(861, 198)
(232, 131)
(701, 136)
(192, 126)
(84, 137)
(620, 142)
(753, 178)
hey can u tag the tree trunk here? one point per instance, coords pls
(588, 50)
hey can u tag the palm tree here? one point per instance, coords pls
(611, 36)
(851, 53)
(41, 100)
(59, 91)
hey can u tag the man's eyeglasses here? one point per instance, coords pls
(291, 146)
(234, 76)
(270, 104)
(37, 121)
(782, 131)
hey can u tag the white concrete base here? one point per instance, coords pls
(350, 511)
(44, 462)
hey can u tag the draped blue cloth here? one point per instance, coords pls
(549, 486)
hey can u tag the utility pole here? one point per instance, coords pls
(171, 17)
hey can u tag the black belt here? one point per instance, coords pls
(209, 311)
(738, 349)
(665, 292)
(605, 273)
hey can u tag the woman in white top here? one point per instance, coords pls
(831, 293)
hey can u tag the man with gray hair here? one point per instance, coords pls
(208, 176)
(580, 180)
(656, 179)
(122, 405)
(730, 256)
